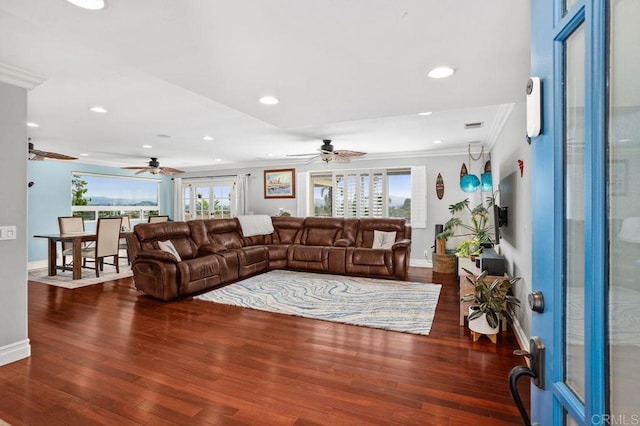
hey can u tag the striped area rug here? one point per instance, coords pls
(387, 304)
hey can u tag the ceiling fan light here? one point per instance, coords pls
(326, 156)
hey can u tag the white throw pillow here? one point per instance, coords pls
(383, 240)
(169, 248)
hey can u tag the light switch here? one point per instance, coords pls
(8, 232)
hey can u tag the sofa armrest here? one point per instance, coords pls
(343, 242)
(401, 244)
(212, 248)
(160, 255)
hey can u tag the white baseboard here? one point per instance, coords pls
(15, 352)
(420, 263)
(521, 337)
(37, 265)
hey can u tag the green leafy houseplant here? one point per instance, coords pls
(478, 230)
(492, 299)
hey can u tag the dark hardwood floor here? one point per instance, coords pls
(106, 354)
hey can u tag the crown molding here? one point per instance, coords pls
(502, 115)
(19, 77)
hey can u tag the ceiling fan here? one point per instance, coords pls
(37, 155)
(326, 153)
(154, 168)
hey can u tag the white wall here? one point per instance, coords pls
(515, 193)
(14, 344)
(437, 210)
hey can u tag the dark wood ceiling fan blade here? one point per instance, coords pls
(145, 169)
(133, 168)
(169, 170)
(347, 153)
(38, 155)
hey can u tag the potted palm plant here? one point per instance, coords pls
(477, 232)
(490, 302)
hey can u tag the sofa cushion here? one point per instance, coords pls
(321, 231)
(149, 234)
(169, 248)
(287, 230)
(212, 248)
(383, 240)
(367, 228)
(202, 267)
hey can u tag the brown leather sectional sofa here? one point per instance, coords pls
(214, 252)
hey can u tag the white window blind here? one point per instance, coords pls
(359, 193)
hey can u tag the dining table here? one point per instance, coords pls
(76, 239)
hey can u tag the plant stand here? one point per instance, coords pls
(480, 326)
(492, 337)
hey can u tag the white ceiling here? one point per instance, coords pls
(353, 71)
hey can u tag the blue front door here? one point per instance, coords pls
(586, 210)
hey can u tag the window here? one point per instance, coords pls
(210, 199)
(362, 193)
(94, 196)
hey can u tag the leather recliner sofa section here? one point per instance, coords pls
(214, 252)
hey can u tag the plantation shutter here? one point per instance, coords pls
(338, 195)
(359, 193)
(378, 199)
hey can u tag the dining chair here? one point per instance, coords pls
(125, 227)
(107, 243)
(67, 225)
(157, 219)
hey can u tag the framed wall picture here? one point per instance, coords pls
(280, 183)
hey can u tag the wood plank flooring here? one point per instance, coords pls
(106, 354)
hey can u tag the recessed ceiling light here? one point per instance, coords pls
(269, 155)
(98, 108)
(425, 113)
(164, 136)
(147, 146)
(441, 72)
(31, 124)
(84, 154)
(88, 4)
(437, 141)
(207, 138)
(218, 159)
(269, 100)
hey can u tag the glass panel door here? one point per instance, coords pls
(574, 207)
(624, 212)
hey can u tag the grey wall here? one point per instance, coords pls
(437, 210)
(14, 343)
(515, 193)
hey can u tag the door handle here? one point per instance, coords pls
(536, 372)
(536, 301)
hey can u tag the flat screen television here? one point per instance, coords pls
(500, 218)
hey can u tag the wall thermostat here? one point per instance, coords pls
(534, 113)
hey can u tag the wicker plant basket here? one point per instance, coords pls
(445, 263)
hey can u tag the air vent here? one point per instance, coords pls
(476, 125)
